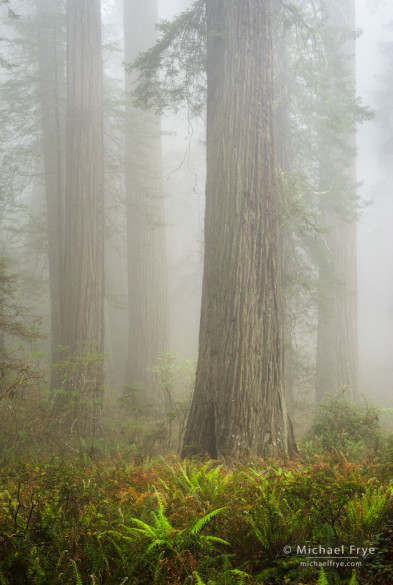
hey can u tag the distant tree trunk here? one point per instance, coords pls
(50, 65)
(283, 154)
(337, 335)
(147, 276)
(82, 313)
(238, 403)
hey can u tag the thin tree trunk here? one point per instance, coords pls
(83, 269)
(238, 403)
(50, 65)
(337, 336)
(283, 154)
(147, 276)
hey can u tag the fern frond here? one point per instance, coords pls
(353, 580)
(146, 528)
(116, 534)
(202, 521)
(242, 574)
(213, 473)
(164, 484)
(158, 568)
(185, 476)
(261, 536)
(198, 579)
(63, 553)
(78, 578)
(156, 544)
(216, 539)
(117, 548)
(161, 521)
(322, 580)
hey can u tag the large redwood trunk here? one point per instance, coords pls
(238, 403)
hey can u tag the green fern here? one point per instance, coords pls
(216, 539)
(161, 521)
(242, 574)
(322, 580)
(62, 555)
(368, 512)
(161, 534)
(198, 579)
(78, 578)
(199, 481)
(353, 580)
(203, 521)
(157, 568)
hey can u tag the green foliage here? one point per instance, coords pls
(322, 580)
(78, 578)
(366, 513)
(189, 522)
(164, 541)
(208, 481)
(16, 322)
(79, 393)
(143, 428)
(176, 379)
(181, 53)
(343, 427)
(198, 579)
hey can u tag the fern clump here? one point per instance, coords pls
(114, 522)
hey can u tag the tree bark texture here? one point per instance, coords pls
(283, 157)
(337, 334)
(83, 266)
(147, 276)
(238, 403)
(50, 89)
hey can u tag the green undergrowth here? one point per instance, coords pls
(168, 521)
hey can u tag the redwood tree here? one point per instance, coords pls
(147, 280)
(238, 403)
(337, 342)
(82, 306)
(50, 58)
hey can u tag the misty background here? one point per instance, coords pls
(184, 182)
(375, 235)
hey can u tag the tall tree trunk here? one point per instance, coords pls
(82, 313)
(238, 403)
(283, 154)
(337, 336)
(50, 65)
(147, 277)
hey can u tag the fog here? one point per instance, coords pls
(196, 292)
(183, 158)
(375, 235)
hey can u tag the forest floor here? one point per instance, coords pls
(112, 521)
(111, 511)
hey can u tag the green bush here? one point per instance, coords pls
(344, 428)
